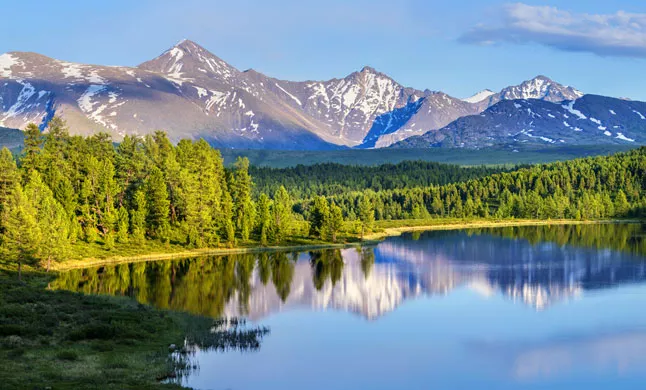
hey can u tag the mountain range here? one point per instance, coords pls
(191, 93)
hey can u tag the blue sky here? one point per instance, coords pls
(458, 47)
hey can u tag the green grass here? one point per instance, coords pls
(282, 159)
(64, 340)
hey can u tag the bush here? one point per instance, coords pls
(68, 355)
(93, 331)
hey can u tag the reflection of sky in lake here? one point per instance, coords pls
(473, 322)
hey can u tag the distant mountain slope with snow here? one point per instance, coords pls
(589, 120)
(480, 96)
(191, 93)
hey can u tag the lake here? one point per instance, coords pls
(547, 307)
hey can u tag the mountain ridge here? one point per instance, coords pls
(191, 93)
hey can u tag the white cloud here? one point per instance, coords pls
(620, 34)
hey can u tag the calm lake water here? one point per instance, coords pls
(560, 307)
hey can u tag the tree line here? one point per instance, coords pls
(328, 179)
(63, 190)
(589, 188)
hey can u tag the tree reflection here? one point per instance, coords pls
(367, 260)
(282, 272)
(326, 265)
(201, 286)
(439, 261)
(621, 237)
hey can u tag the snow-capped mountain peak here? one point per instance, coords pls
(480, 96)
(191, 93)
(540, 87)
(188, 60)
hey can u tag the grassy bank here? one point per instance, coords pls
(96, 256)
(63, 340)
(92, 255)
(396, 228)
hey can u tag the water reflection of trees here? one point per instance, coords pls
(257, 284)
(326, 265)
(205, 285)
(625, 237)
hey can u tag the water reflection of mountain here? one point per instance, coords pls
(368, 282)
(537, 274)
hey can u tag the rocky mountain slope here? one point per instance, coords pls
(589, 120)
(191, 93)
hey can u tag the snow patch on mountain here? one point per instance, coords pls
(571, 109)
(20, 105)
(294, 98)
(7, 61)
(85, 101)
(480, 96)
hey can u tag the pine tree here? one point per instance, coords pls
(226, 221)
(31, 153)
(336, 220)
(157, 205)
(241, 186)
(366, 214)
(621, 204)
(122, 225)
(138, 216)
(264, 218)
(21, 238)
(319, 217)
(282, 214)
(9, 178)
(54, 227)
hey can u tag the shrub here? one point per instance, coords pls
(67, 355)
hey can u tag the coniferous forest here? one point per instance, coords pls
(66, 191)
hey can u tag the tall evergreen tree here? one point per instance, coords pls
(366, 214)
(157, 205)
(241, 186)
(9, 178)
(264, 218)
(336, 220)
(138, 217)
(31, 153)
(21, 237)
(281, 214)
(319, 217)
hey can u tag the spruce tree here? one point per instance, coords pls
(336, 220)
(157, 205)
(241, 186)
(264, 218)
(319, 217)
(21, 237)
(281, 214)
(366, 214)
(30, 160)
(122, 225)
(54, 228)
(138, 216)
(9, 178)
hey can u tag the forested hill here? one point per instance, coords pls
(334, 179)
(70, 194)
(593, 187)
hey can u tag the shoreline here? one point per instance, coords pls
(369, 239)
(397, 231)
